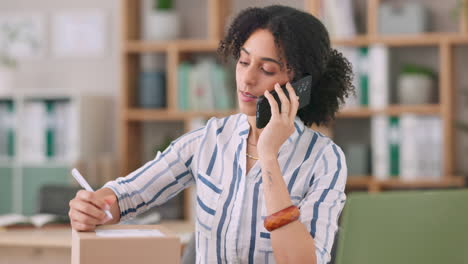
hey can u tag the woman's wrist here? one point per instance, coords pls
(268, 158)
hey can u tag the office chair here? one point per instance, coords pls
(417, 227)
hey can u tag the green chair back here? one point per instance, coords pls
(417, 227)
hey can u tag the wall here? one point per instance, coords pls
(88, 75)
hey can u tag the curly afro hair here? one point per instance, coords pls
(305, 43)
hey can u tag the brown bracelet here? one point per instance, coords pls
(281, 218)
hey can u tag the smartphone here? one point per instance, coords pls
(302, 87)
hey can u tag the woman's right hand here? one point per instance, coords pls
(87, 210)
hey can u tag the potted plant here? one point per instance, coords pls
(9, 35)
(162, 23)
(12, 36)
(416, 85)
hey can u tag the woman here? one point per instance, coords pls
(245, 175)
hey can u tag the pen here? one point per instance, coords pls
(77, 175)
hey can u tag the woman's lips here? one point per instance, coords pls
(243, 96)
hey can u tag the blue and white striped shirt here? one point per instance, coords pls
(230, 205)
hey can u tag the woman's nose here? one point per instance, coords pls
(250, 77)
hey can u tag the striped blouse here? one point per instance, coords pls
(230, 205)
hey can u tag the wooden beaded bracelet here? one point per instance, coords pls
(281, 218)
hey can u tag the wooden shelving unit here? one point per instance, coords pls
(426, 39)
(391, 110)
(368, 182)
(132, 118)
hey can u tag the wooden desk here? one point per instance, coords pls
(53, 245)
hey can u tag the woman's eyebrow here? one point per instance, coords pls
(265, 58)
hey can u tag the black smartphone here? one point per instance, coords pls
(302, 87)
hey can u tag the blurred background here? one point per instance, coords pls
(104, 85)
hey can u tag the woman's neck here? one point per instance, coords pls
(254, 131)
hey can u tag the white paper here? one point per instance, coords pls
(129, 233)
(79, 33)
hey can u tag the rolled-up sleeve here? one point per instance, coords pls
(325, 199)
(158, 180)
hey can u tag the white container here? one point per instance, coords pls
(7, 80)
(162, 25)
(415, 89)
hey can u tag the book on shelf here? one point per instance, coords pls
(362, 75)
(421, 147)
(380, 146)
(371, 75)
(407, 147)
(37, 220)
(7, 130)
(338, 17)
(359, 60)
(183, 80)
(51, 122)
(204, 86)
(379, 86)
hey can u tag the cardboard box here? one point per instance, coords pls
(93, 248)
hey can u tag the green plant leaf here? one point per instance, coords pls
(163, 4)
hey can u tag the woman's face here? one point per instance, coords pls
(258, 69)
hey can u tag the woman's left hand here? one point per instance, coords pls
(281, 125)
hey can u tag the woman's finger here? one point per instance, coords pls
(88, 209)
(273, 104)
(294, 99)
(92, 198)
(82, 227)
(285, 108)
(82, 217)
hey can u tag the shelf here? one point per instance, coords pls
(141, 46)
(136, 114)
(363, 112)
(200, 45)
(355, 41)
(445, 182)
(424, 39)
(45, 164)
(359, 181)
(355, 182)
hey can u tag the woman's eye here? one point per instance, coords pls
(267, 72)
(243, 63)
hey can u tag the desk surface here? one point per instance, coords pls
(60, 237)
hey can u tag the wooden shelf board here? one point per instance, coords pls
(197, 45)
(201, 45)
(361, 40)
(430, 109)
(445, 182)
(188, 45)
(359, 112)
(424, 39)
(359, 181)
(143, 46)
(461, 39)
(363, 112)
(160, 115)
(366, 181)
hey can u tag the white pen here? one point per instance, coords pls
(77, 175)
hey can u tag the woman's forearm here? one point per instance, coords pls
(291, 243)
